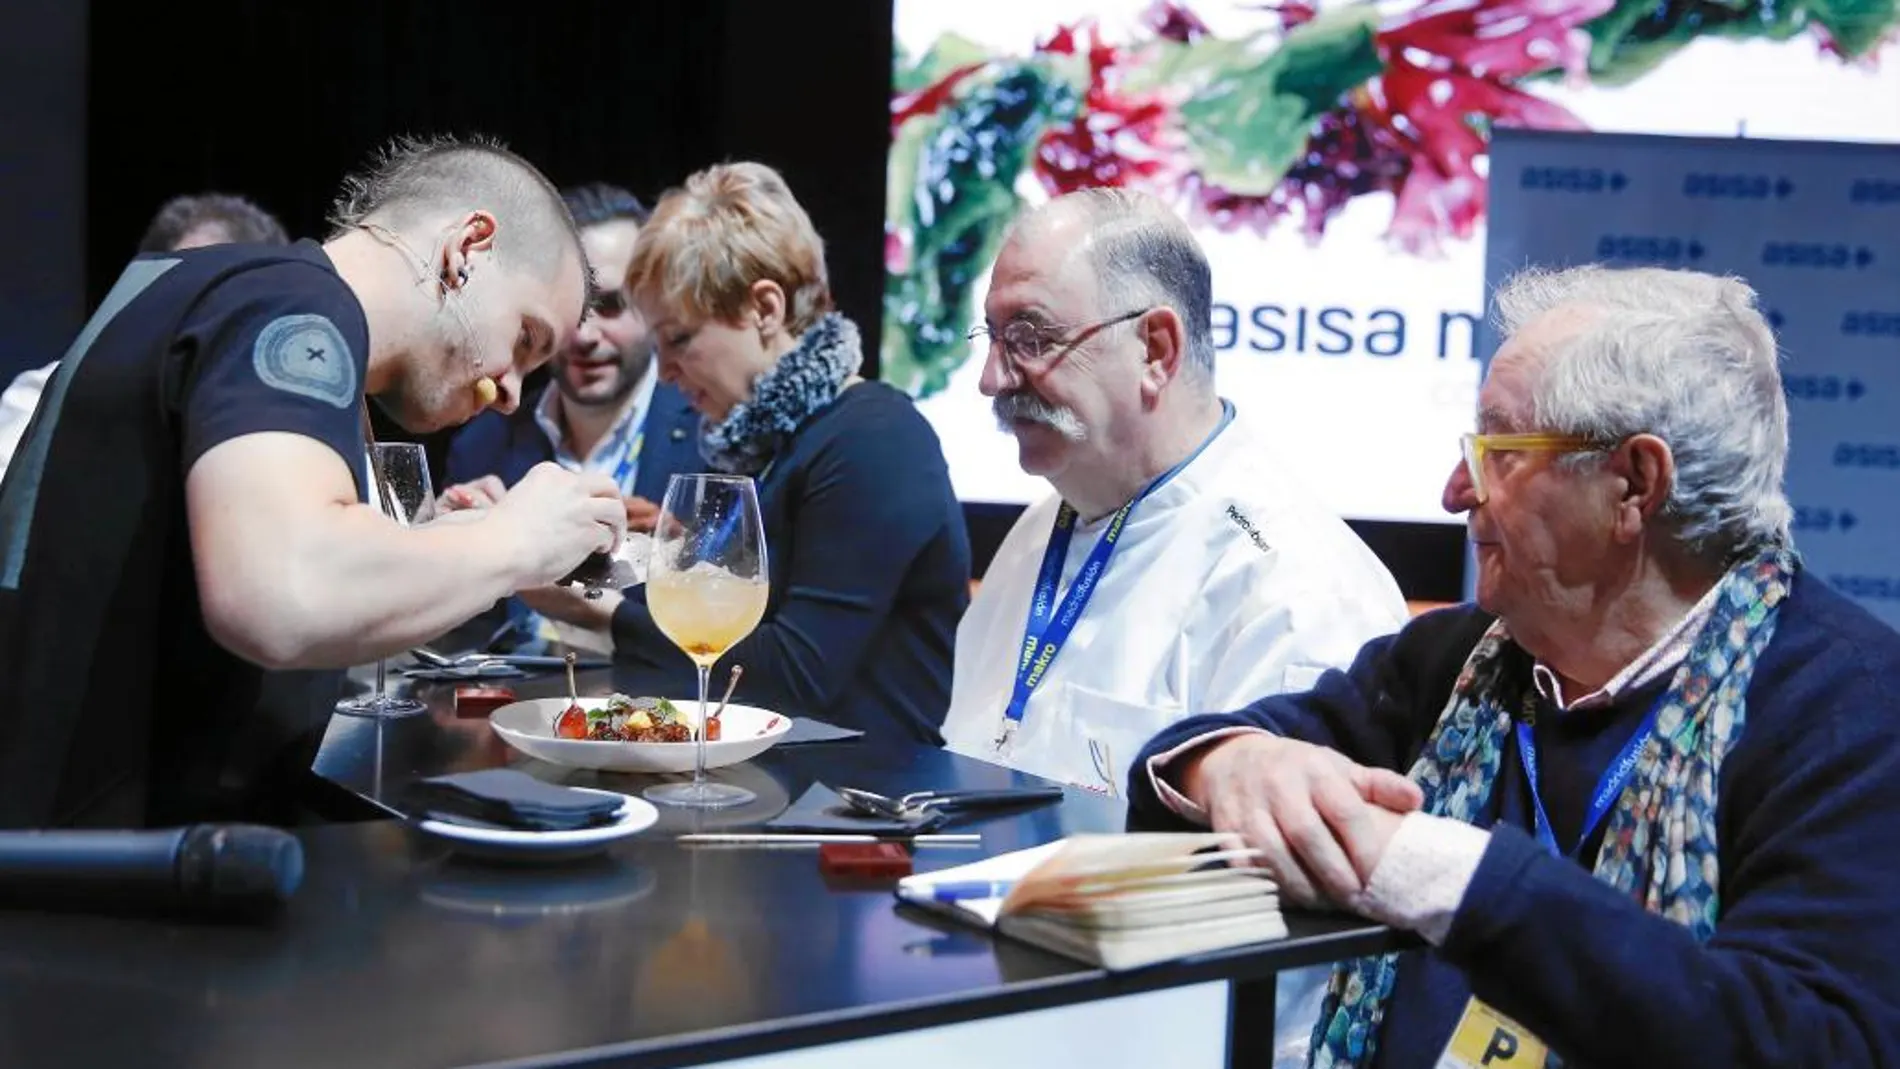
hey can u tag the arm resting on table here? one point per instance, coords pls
(1377, 712)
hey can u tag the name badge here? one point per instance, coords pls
(1485, 1037)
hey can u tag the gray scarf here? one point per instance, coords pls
(803, 381)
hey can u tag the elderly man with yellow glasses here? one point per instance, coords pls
(1642, 800)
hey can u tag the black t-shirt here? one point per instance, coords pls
(116, 706)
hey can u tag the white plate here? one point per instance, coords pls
(636, 815)
(745, 732)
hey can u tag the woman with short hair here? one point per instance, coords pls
(869, 557)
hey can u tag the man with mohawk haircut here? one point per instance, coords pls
(190, 545)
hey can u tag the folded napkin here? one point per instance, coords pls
(820, 810)
(807, 730)
(508, 798)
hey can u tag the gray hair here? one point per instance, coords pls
(1684, 356)
(413, 180)
(1144, 255)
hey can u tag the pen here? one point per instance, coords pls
(956, 892)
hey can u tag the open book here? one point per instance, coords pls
(1116, 901)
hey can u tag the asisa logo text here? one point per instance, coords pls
(1876, 324)
(1822, 388)
(1885, 587)
(1736, 186)
(1640, 248)
(1875, 191)
(1571, 180)
(1866, 455)
(1815, 254)
(1817, 518)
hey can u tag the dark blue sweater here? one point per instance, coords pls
(1804, 966)
(870, 567)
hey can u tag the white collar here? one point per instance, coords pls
(1196, 477)
(1664, 655)
(633, 413)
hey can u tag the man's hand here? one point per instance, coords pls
(642, 515)
(1321, 821)
(555, 518)
(477, 494)
(566, 604)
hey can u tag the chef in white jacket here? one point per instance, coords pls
(1178, 568)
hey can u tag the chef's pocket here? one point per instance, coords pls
(1104, 733)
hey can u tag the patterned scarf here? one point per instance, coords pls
(803, 381)
(1660, 845)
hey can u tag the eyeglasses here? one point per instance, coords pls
(1035, 348)
(1476, 446)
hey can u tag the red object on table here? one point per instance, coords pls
(475, 702)
(864, 861)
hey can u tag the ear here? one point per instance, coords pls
(472, 233)
(1646, 472)
(768, 307)
(1164, 342)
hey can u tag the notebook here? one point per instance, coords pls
(1114, 901)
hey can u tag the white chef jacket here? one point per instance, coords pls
(17, 405)
(1230, 582)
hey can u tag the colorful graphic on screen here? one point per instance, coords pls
(1332, 160)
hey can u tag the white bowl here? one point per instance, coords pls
(745, 732)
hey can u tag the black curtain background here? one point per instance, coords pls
(277, 101)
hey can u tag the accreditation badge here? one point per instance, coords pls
(1485, 1037)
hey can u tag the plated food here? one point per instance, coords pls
(624, 719)
(531, 726)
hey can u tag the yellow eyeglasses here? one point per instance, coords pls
(1477, 445)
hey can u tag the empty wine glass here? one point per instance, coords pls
(707, 584)
(400, 489)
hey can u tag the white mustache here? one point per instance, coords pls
(1021, 406)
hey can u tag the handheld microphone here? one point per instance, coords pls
(213, 871)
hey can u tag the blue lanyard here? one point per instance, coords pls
(1609, 787)
(1050, 624)
(629, 465)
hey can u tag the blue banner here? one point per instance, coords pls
(1815, 229)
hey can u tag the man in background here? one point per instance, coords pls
(183, 223)
(604, 409)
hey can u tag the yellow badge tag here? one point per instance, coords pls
(1487, 1038)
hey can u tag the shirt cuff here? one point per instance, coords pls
(1183, 806)
(1422, 877)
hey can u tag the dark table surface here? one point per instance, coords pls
(395, 953)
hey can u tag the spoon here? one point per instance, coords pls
(917, 803)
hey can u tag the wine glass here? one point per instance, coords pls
(400, 489)
(707, 583)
